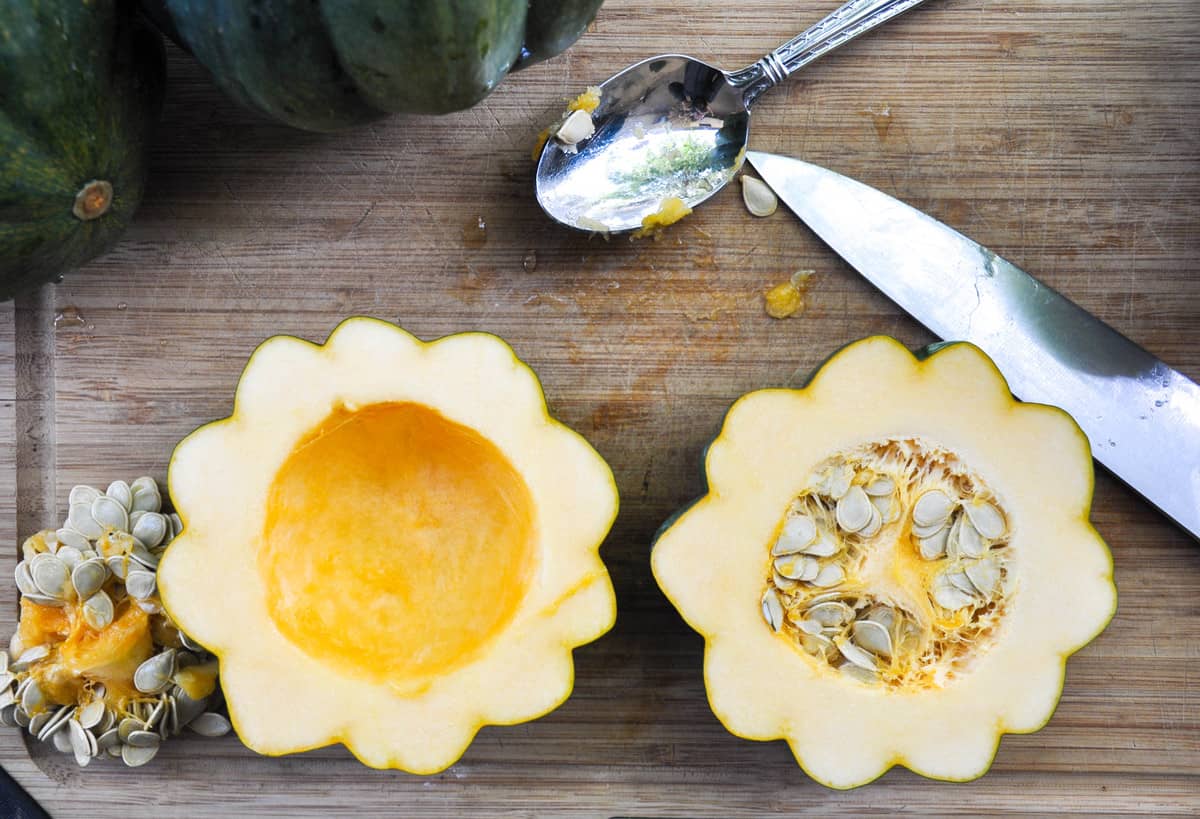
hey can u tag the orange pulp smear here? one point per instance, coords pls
(397, 543)
(670, 211)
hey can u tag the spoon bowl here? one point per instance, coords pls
(674, 126)
(667, 126)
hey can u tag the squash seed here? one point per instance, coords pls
(210, 724)
(986, 518)
(121, 493)
(934, 546)
(772, 609)
(873, 637)
(62, 740)
(949, 596)
(90, 715)
(854, 654)
(140, 584)
(83, 495)
(874, 524)
(24, 579)
(98, 611)
(829, 576)
(49, 575)
(882, 486)
(783, 583)
(857, 673)
(809, 626)
(964, 539)
(831, 613)
(80, 520)
(798, 532)
(135, 757)
(143, 739)
(110, 513)
(150, 528)
(931, 508)
(88, 576)
(52, 724)
(154, 674)
(83, 744)
(984, 576)
(797, 567)
(69, 537)
(575, 129)
(107, 740)
(854, 509)
(759, 198)
(824, 546)
(37, 723)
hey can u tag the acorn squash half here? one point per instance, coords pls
(891, 564)
(388, 544)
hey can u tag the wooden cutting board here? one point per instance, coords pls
(1061, 133)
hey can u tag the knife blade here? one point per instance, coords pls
(1141, 417)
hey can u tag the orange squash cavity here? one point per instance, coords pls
(378, 525)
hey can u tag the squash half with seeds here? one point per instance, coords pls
(389, 544)
(891, 564)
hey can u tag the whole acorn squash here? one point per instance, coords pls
(388, 544)
(331, 64)
(80, 86)
(891, 564)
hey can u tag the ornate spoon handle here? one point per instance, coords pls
(840, 27)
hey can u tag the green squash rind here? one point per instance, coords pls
(274, 56)
(332, 64)
(552, 25)
(457, 54)
(81, 84)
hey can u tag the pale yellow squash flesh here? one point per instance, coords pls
(710, 563)
(389, 544)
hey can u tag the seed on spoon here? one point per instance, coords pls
(577, 127)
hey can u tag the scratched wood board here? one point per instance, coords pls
(1060, 134)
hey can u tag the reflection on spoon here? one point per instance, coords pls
(673, 126)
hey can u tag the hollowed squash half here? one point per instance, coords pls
(388, 544)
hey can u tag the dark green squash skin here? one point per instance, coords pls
(81, 85)
(323, 65)
(552, 25)
(274, 56)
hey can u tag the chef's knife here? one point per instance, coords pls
(1141, 416)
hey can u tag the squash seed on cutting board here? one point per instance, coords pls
(759, 198)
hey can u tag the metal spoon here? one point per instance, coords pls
(675, 126)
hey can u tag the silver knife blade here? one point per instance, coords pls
(1141, 417)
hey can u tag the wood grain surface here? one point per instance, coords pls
(1060, 133)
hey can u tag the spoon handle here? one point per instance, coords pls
(840, 27)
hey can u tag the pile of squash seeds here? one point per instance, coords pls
(87, 672)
